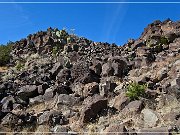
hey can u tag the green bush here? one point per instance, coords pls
(164, 41)
(55, 50)
(135, 91)
(19, 66)
(5, 54)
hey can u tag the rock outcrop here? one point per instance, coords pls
(59, 82)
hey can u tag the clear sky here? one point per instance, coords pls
(113, 23)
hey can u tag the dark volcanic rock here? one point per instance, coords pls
(121, 101)
(134, 107)
(52, 118)
(55, 70)
(64, 72)
(10, 120)
(27, 92)
(7, 103)
(93, 106)
(68, 100)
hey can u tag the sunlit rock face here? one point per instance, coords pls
(59, 82)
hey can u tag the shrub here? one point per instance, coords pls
(55, 50)
(135, 91)
(161, 41)
(5, 54)
(164, 41)
(19, 66)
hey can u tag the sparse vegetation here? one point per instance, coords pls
(55, 50)
(69, 39)
(164, 41)
(5, 53)
(19, 66)
(135, 90)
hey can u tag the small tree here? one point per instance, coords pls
(5, 53)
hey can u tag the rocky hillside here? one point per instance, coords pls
(59, 82)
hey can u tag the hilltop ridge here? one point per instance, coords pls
(59, 82)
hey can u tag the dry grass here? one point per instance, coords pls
(3, 69)
(167, 106)
(42, 130)
(37, 108)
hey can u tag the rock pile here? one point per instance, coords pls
(60, 82)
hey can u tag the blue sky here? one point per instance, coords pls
(113, 23)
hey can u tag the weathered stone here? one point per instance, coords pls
(133, 107)
(49, 94)
(107, 69)
(51, 117)
(2, 88)
(176, 83)
(62, 130)
(7, 103)
(116, 130)
(36, 100)
(28, 91)
(85, 90)
(119, 88)
(64, 75)
(115, 66)
(174, 46)
(97, 68)
(68, 100)
(150, 118)
(55, 70)
(42, 88)
(141, 52)
(88, 78)
(91, 89)
(81, 72)
(105, 88)
(121, 101)
(92, 106)
(161, 74)
(10, 120)
(17, 106)
(171, 116)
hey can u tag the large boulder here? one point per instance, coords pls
(27, 91)
(7, 103)
(86, 90)
(106, 87)
(56, 68)
(107, 69)
(115, 66)
(51, 117)
(121, 101)
(92, 106)
(133, 107)
(10, 120)
(67, 100)
(36, 100)
(42, 88)
(81, 72)
(150, 118)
